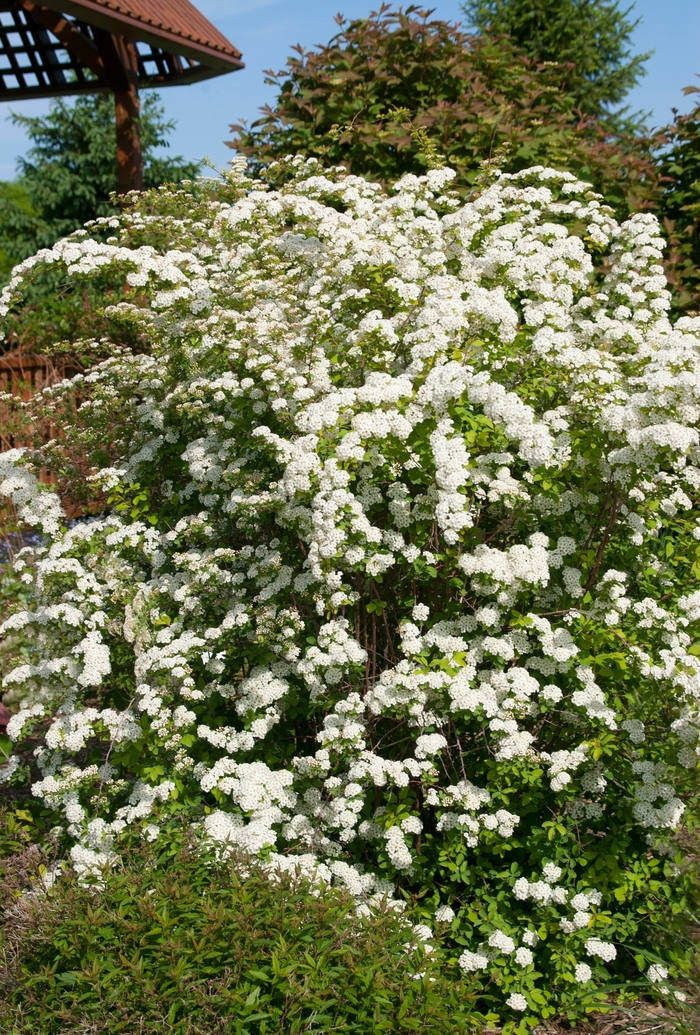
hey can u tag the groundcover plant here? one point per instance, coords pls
(392, 579)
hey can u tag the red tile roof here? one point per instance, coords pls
(173, 24)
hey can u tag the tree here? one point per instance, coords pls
(14, 198)
(71, 170)
(595, 36)
(391, 572)
(391, 90)
(678, 149)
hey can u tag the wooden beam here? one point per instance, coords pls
(121, 63)
(111, 57)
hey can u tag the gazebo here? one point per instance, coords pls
(60, 47)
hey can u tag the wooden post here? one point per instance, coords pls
(127, 110)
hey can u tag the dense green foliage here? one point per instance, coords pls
(391, 91)
(175, 941)
(679, 206)
(71, 170)
(593, 35)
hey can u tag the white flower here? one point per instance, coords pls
(422, 932)
(397, 849)
(583, 973)
(605, 950)
(502, 942)
(429, 744)
(551, 873)
(9, 768)
(37, 505)
(523, 957)
(516, 1001)
(635, 729)
(657, 972)
(411, 825)
(471, 961)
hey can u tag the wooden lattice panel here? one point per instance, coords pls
(33, 62)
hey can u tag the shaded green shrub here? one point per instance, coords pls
(176, 941)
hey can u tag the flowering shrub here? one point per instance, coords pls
(394, 577)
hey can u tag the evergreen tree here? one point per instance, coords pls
(594, 35)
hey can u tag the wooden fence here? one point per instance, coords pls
(23, 374)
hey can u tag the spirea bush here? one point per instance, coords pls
(394, 576)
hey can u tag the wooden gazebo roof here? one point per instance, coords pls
(62, 47)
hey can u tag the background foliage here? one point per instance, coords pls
(385, 86)
(70, 171)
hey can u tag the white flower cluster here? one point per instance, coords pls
(402, 454)
(583, 973)
(36, 504)
(548, 895)
(605, 950)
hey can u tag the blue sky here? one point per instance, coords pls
(264, 30)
